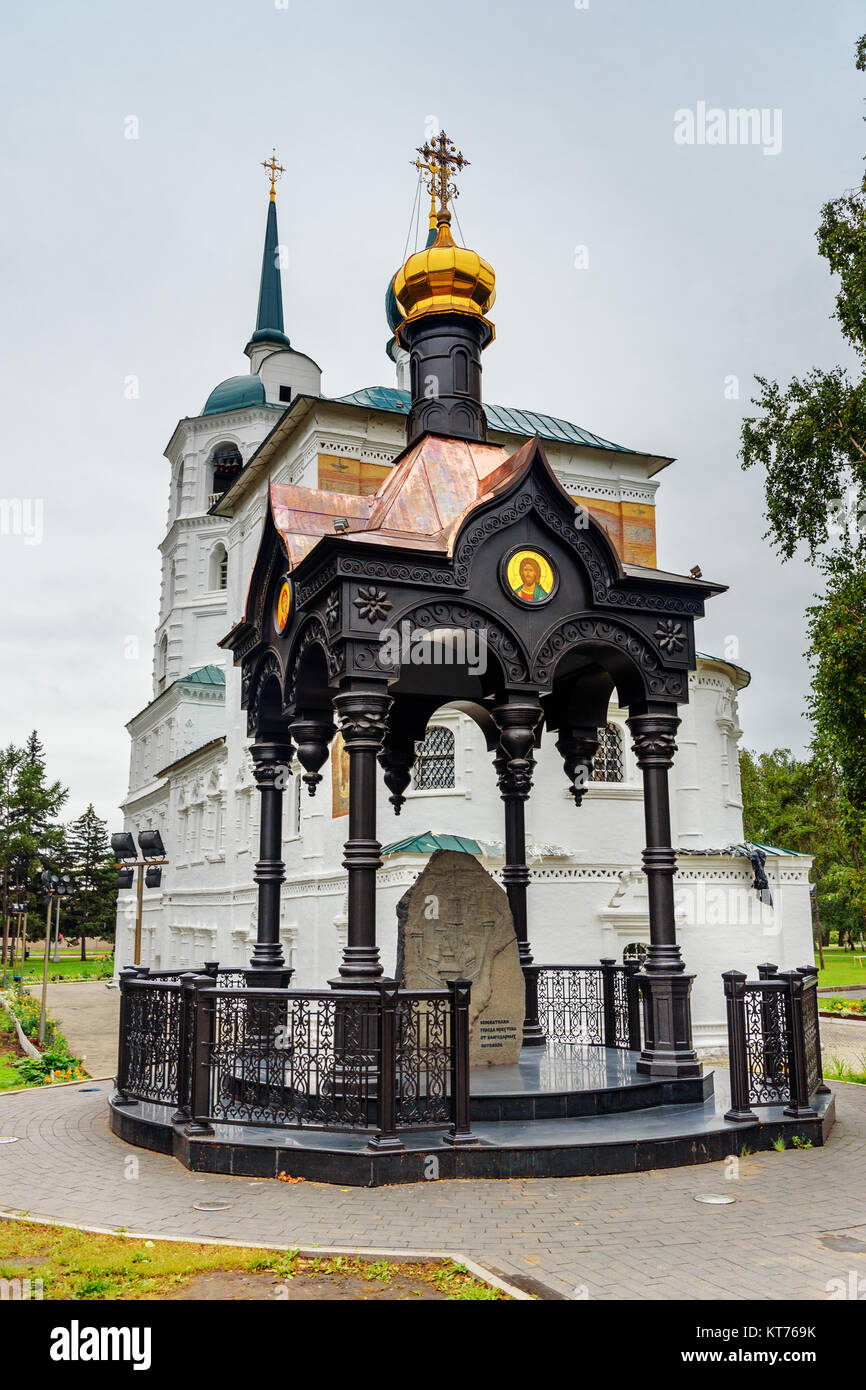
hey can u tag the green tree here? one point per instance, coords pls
(92, 907)
(29, 833)
(810, 439)
(796, 803)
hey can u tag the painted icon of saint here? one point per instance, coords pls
(530, 588)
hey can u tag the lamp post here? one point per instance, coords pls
(54, 886)
(147, 870)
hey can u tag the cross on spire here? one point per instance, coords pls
(275, 171)
(441, 160)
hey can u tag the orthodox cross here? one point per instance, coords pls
(275, 171)
(441, 159)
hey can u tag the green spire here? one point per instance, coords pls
(271, 290)
(269, 322)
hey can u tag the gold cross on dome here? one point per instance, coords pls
(441, 160)
(275, 171)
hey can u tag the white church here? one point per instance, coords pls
(190, 772)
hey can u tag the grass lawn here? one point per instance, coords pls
(842, 968)
(78, 1265)
(10, 1051)
(68, 967)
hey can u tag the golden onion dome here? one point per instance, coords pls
(445, 279)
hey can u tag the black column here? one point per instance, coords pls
(665, 988)
(516, 719)
(272, 760)
(361, 715)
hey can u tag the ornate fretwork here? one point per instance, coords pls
(332, 611)
(313, 632)
(453, 614)
(255, 684)
(593, 628)
(767, 1059)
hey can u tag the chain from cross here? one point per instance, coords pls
(441, 159)
(275, 171)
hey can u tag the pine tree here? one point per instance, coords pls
(93, 904)
(29, 834)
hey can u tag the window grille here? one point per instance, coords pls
(608, 765)
(434, 764)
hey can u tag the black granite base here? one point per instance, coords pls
(514, 1138)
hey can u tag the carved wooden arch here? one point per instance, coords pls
(631, 650)
(267, 667)
(312, 632)
(464, 613)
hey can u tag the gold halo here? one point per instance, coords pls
(547, 578)
(284, 606)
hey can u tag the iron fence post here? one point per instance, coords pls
(798, 1107)
(203, 1024)
(122, 1078)
(460, 1132)
(809, 971)
(386, 1072)
(608, 1002)
(632, 994)
(735, 1004)
(186, 1042)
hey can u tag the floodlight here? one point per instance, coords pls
(153, 877)
(125, 877)
(150, 844)
(123, 846)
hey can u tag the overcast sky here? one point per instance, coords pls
(140, 257)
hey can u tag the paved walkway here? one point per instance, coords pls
(88, 1015)
(798, 1220)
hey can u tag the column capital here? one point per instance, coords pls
(362, 716)
(271, 759)
(653, 739)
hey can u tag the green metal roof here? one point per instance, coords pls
(205, 675)
(428, 843)
(506, 419)
(235, 392)
(774, 849)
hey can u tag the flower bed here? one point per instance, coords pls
(55, 1063)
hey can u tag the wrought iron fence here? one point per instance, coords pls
(379, 1060)
(589, 1005)
(423, 1060)
(774, 1041)
(151, 1040)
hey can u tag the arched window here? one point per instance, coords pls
(608, 764)
(178, 491)
(219, 567)
(161, 663)
(226, 464)
(434, 764)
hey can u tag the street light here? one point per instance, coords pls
(148, 867)
(54, 886)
